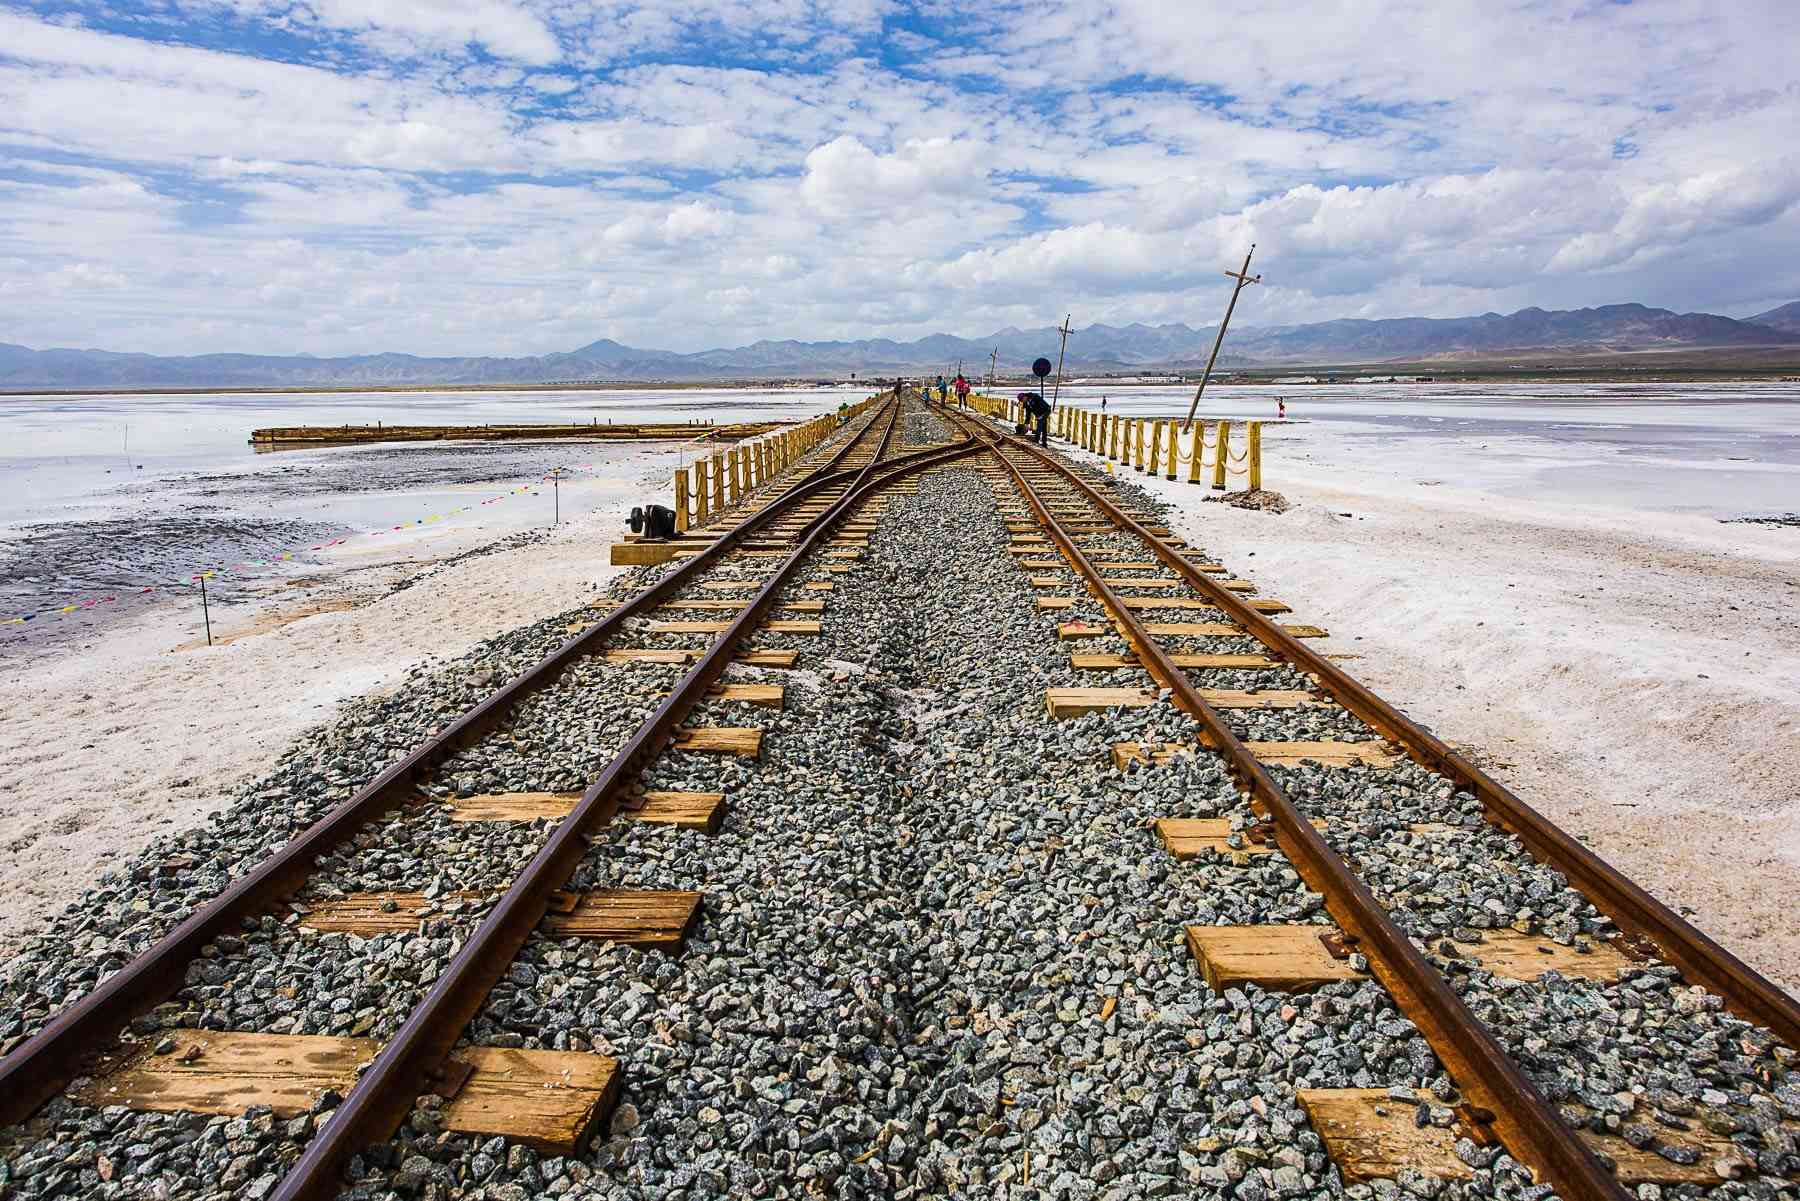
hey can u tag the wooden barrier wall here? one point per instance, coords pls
(714, 484)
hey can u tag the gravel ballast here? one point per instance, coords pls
(940, 952)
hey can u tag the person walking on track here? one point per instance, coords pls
(962, 391)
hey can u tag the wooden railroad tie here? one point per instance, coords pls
(1185, 629)
(1372, 1136)
(1276, 754)
(1188, 837)
(774, 625)
(1298, 959)
(649, 919)
(1074, 702)
(745, 741)
(550, 1100)
(1260, 604)
(657, 655)
(1117, 662)
(734, 606)
(686, 810)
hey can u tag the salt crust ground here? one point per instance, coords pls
(138, 734)
(1635, 676)
(1591, 657)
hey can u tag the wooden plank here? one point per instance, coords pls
(1184, 629)
(1056, 602)
(633, 917)
(778, 625)
(845, 554)
(1370, 1136)
(1278, 958)
(768, 658)
(820, 585)
(1047, 581)
(769, 696)
(644, 554)
(1519, 956)
(687, 810)
(784, 626)
(1114, 662)
(1279, 754)
(722, 740)
(1186, 837)
(656, 920)
(1223, 629)
(1074, 702)
(550, 1100)
(754, 658)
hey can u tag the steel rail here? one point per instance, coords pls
(1638, 914)
(406, 1065)
(1522, 1118)
(39, 1068)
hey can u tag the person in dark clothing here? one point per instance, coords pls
(1036, 406)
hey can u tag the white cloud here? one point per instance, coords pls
(581, 172)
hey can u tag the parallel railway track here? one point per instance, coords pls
(789, 528)
(1169, 603)
(1139, 608)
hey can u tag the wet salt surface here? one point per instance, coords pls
(105, 496)
(1724, 450)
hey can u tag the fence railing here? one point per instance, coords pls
(715, 483)
(1159, 446)
(1149, 445)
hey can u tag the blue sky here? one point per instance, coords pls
(483, 176)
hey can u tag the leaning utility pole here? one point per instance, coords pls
(1065, 331)
(993, 366)
(1244, 279)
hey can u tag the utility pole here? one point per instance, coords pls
(1244, 279)
(993, 365)
(555, 475)
(1065, 331)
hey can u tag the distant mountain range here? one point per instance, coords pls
(1612, 330)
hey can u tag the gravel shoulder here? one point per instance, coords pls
(139, 730)
(1635, 677)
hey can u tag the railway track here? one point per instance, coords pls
(939, 825)
(761, 552)
(1217, 656)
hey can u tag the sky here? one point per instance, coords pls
(492, 177)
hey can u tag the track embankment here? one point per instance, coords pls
(856, 853)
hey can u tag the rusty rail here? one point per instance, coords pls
(1639, 915)
(408, 1063)
(1521, 1117)
(37, 1070)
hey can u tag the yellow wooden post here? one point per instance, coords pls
(1255, 453)
(718, 482)
(1093, 431)
(681, 500)
(1137, 444)
(749, 468)
(1112, 439)
(1224, 455)
(1170, 466)
(1198, 446)
(1155, 444)
(701, 508)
